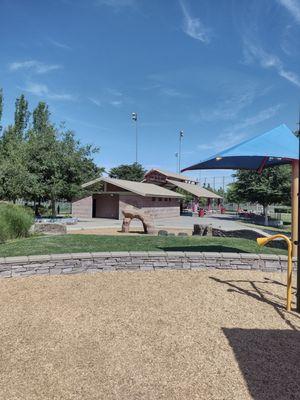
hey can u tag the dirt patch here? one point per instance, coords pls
(148, 335)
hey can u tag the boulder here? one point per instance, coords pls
(202, 230)
(50, 228)
(162, 233)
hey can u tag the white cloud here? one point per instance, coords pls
(170, 92)
(233, 135)
(109, 96)
(59, 44)
(33, 65)
(116, 103)
(193, 27)
(42, 90)
(116, 3)
(223, 141)
(253, 52)
(230, 104)
(293, 7)
(257, 118)
(95, 101)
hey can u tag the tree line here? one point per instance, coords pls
(272, 186)
(40, 161)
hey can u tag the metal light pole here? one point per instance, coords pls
(177, 169)
(179, 153)
(134, 119)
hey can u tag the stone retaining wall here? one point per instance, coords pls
(144, 261)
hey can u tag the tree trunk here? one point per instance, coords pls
(53, 207)
(266, 208)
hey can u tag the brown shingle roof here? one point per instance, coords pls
(143, 189)
(174, 175)
(196, 190)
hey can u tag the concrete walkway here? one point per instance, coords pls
(224, 222)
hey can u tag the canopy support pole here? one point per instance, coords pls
(295, 190)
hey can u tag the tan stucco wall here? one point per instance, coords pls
(164, 208)
(83, 208)
(159, 209)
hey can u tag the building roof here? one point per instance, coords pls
(196, 190)
(143, 189)
(169, 174)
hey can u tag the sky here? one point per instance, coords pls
(221, 71)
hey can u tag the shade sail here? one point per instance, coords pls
(275, 147)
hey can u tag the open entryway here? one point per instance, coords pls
(106, 206)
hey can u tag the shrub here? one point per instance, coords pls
(15, 222)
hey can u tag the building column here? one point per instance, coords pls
(208, 204)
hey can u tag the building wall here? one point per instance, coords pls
(155, 177)
(158, 207)
(83, 208)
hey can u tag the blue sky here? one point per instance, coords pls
(221, 71)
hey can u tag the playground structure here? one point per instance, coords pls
(278, 146)
(262, 242)
(131, 213)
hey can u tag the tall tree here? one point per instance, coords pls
(14, 175)
(1, 107)
(59, 161)
(273, 185)
(21, 115)
(43, 162)
(41, 117)
(129, 172)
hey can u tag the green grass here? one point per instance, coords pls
(285, 230)
(94, 243)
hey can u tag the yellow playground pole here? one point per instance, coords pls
(262, 242)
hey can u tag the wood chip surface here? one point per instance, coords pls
(149, 335)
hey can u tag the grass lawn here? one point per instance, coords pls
(285, 230)
(95, 243)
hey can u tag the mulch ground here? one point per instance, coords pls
(148, 335)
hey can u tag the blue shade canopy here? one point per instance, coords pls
(276, 147)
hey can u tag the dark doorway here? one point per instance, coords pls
(94, 208)
(106, 206)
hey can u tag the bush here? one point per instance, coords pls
(15, 222)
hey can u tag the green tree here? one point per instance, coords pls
(21, 115)
(41, 117)
(273, 185)
(129, 172)
(43, 162)
(14, 175)
(1, 107)
(58, 161)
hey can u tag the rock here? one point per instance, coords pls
(131, 213)
(182, 234)
(162, 233)
(239, 233)
(202, 230)
(50, 228)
